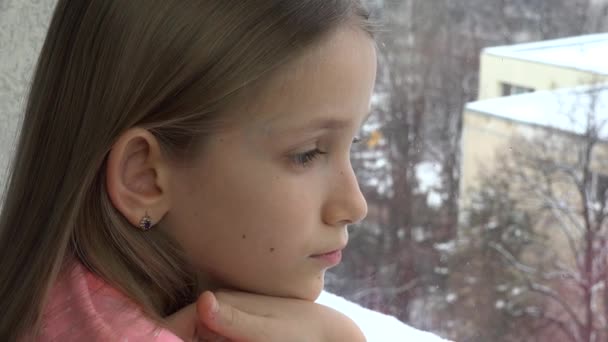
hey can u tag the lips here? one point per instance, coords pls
(326, 253)
(331, 250)
(330, 258)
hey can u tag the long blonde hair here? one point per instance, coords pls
(170, 66)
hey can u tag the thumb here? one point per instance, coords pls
(228, 321)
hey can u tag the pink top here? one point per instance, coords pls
(83, 307)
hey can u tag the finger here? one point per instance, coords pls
(261, 305)
(184, 323)
(208, 336)
(226, 320)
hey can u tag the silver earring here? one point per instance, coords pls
(146, 223)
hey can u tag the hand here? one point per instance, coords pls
(244, 317)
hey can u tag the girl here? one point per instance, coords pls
(170, 147)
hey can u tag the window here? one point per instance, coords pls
(599, 186)
(511, 89)
(480, 271)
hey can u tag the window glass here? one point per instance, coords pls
(485, 171)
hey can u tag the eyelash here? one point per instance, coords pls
(304, 159)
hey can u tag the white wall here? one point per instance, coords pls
(23, 26)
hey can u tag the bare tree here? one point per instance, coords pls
(555, 179)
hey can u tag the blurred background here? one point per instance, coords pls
(485, 165)
(485, 171)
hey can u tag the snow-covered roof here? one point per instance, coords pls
(566, 109)
(587, 53)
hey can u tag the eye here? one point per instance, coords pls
(356, 140)
(304, 159)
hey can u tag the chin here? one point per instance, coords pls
(307, 294)
(313, 296)
(310, 292)
(304, 289)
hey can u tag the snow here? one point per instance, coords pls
(418, 233)
(516, 291)
(376, 326)
(428, 174)
(451, 297)
(434, 199)
(429, 179)
(567, 109)
(585, 53)
(446, 247)
(441, 270)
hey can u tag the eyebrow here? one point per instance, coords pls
(320, 123)
(329, 123)
(326, 123)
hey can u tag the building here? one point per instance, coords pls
(538, 99)
(551, 64)
(493, 126)
(531, 89)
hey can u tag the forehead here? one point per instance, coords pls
(332, 79)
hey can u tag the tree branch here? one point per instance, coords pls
(548, 292)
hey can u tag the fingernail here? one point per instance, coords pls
(215, 308)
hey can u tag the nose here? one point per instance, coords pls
(345, 202)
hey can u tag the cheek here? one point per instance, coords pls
(256, 223)
(246, 234)
(231, 215)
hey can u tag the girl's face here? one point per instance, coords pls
(277, 188)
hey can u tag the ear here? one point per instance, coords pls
(137, 177)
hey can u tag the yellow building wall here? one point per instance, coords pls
(495, 69)
(487, 138)
(482, 137)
